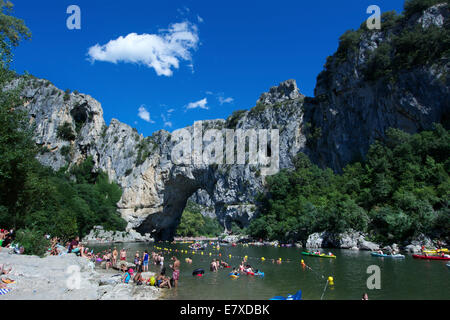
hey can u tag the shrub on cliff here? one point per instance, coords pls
(65, 132)
(412, 7)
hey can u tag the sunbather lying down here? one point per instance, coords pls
(4, 269)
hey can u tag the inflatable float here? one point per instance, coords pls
(198, 272)
(233, 276)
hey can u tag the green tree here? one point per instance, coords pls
(12, 31)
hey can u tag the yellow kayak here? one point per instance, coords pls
(436, 251)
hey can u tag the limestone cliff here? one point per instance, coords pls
(334, 128)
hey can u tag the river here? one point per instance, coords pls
(401, 279)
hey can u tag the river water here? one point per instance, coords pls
(401, 279)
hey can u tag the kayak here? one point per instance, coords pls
(297, 296)
(259, 274)
(436, 251)
(323, 255)
(417, 256)
(395, 256)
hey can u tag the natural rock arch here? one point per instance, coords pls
(182, 184)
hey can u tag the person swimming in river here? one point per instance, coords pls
(248, 269)
(188, 260)
(213, 266)
(223, 264)
(234, 272)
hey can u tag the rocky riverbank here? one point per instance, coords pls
(354, 240)
(54, 278)
(98, 235)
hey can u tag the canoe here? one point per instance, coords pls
(436, 251)
(394, 256)
(297, 296)
(323, 255)
(417, 256)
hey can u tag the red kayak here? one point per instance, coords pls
(416, 256)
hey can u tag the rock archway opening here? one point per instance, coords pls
(163, 225)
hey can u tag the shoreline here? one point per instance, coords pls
(56, 278)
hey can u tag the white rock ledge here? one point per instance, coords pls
(47, 279)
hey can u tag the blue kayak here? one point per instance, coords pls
(259, 274)
(297, 296)
(395, 256)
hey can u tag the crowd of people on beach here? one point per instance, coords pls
(109, 258)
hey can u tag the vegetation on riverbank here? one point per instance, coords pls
(194, 224)
(32, 197)
(401, 190)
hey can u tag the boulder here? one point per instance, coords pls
(367, 245)
(413, 248)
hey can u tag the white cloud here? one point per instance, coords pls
(198, 104)
(166, 121)
(144, 114)
(223, 100)
(170, 111)
(200, 19)
(162, 51)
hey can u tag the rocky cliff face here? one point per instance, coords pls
(350, 112)
(334, 128)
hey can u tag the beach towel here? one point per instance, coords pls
(4, 291)
(8, 281)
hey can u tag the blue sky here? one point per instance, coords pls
(230, 52)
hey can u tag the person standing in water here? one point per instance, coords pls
(176, 271)
(114, 256)
(145, 261)
(123, 255)
(161, 260)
